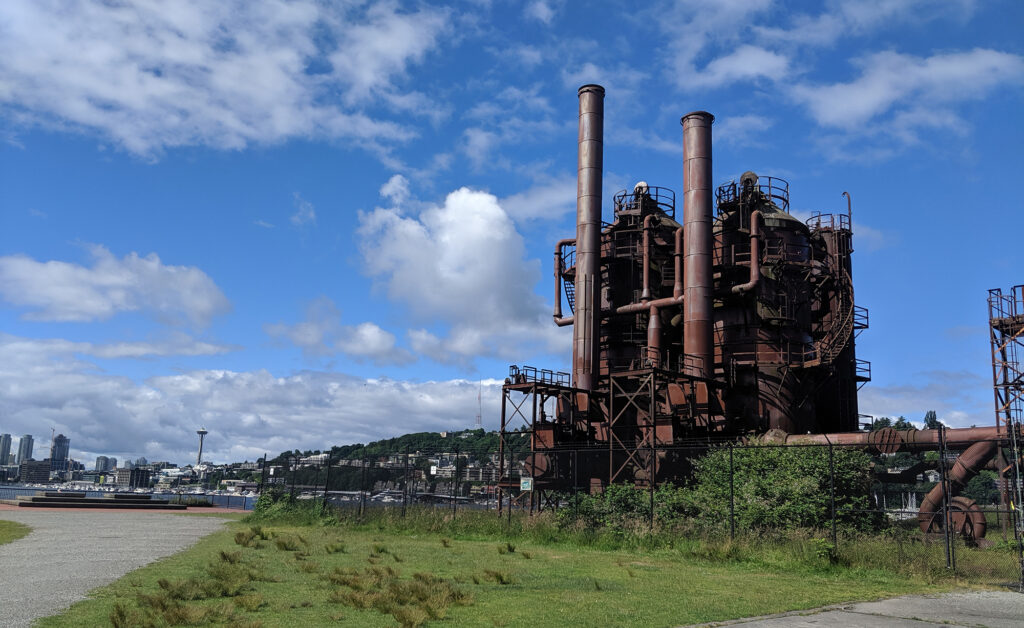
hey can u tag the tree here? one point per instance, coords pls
(931, 421)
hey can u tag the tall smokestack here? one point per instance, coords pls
(590, 158)
(698, 283)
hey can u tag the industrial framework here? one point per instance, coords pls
(738, 321)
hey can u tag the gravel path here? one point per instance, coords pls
(992, 609)
(68, 553)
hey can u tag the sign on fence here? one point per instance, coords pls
(526, 484)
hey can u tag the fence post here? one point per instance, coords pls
(945, 498)
(293, 460)
(453, 487)
(362, 488)
(832, 490)
(405, 483)
(510, 484)
(575, 483)
(732, 498)
(263, 475)
(327, 484)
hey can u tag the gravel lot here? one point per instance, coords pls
(69, 553)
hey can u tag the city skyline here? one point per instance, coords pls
(302, 224)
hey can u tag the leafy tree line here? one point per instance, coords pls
(477, 443)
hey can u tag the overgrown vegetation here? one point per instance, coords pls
(431, 568)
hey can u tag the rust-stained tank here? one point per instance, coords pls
(727, 318)
(730, 319)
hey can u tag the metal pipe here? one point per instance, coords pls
(677, 297)
(590, 147)
(913, 440)
(677, 285)
(755, 255)
(966, 467)
(559, 320)
(698, 284)
(654, 336)
(645, 294)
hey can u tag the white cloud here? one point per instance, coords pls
(263, 223)
(305, 213)
(227, 74)
(745, 63)
(247, 413)
(461, 265)
(62, 291)
(694, 29)
(540, 11)
(322, 334)
(551, 198)
(857, 17)
(918, 88)
(741, 130)
(396, 189)
(512, 116)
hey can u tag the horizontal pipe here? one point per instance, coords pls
(915, 440)
(755, 256)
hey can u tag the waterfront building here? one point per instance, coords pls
(25, 448)
(133, 478)
(59, 450)
(35, 471)
(112, 464)
(102, 463)
(5, 448)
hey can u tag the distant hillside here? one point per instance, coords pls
(477, 442)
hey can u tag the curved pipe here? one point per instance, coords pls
(559, 319)
(966, 467)
(755, 255)
(849, 207)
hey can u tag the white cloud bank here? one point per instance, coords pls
(62, 291)
(42, 384)
(154, 75)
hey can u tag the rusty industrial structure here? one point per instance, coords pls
(728, 319)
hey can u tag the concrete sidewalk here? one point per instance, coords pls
(993, 609)
(69, 553)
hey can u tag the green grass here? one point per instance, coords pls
(469, 577)
(12, 531)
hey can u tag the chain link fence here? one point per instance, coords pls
(911, 511)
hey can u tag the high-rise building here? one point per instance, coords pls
(59, 453)
(102, 463)
(112, 464)
(25, 448)
(5, 447)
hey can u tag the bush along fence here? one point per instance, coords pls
(912, 509)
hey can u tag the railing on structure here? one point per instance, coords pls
(646, 200)
(530, 374)
(835, 222)
(773, 189)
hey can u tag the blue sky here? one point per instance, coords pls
(303, 223)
